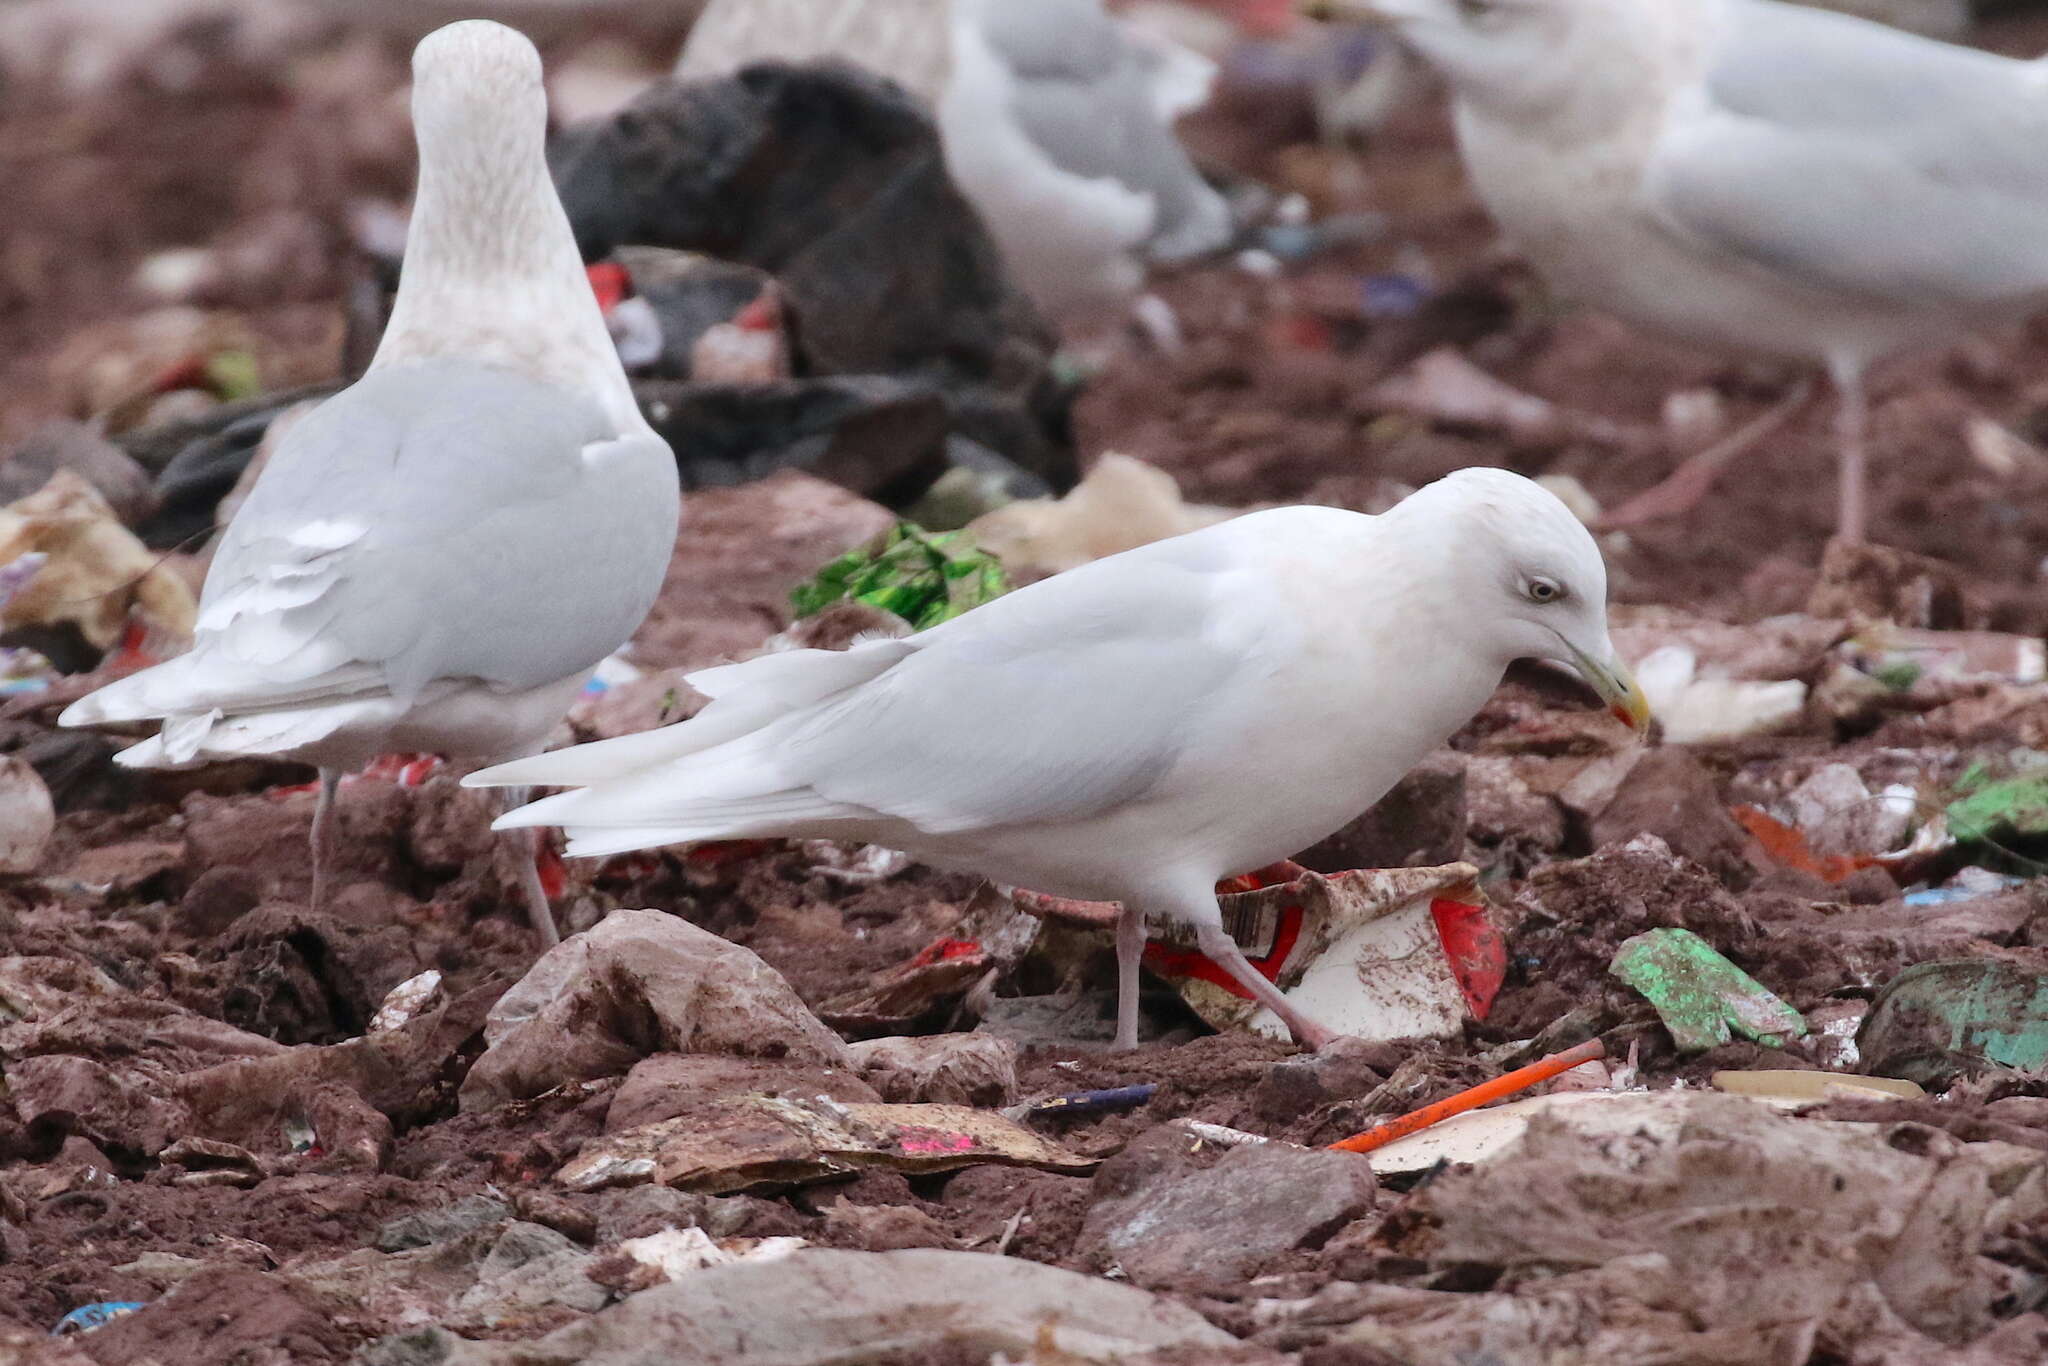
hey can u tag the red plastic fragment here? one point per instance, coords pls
(1473, 947)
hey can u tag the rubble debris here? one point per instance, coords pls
(1164, 1213)
(1705, 1228)
(755, 1142)
(95, 579)
(1865, 582)
(1507, 1084)
(1120, 504)
(27, 816)
(1692, 709)
(946, 1069)
(900, 1304)
(1366, 952)
(857, 171)
(1957, 1017)
(1700, 995)
(921, 577)
(639, 982)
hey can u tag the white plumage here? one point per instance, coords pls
(438, 556)
(1056, 121)
(1135, 729)
(1751, 174)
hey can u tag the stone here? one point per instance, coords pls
(667, 1084)
(1168, 1216)
(64, 444)
(216, 899)
(947, 1069)
(1670, 795)
(639, 982)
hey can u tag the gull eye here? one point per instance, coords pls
(1540, 589)
(1475, 11)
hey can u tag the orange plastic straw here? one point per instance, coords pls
(1506, 1084)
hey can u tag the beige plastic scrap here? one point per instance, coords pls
(97, 573)
(761, 1142)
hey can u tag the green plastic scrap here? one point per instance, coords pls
(1990, 810)
(923, 577)
(1700, 995)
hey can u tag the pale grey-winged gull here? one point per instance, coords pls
(437, 557)
(1135, 729)
(1057, 122)
(1752, 175)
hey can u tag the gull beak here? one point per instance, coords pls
(1617, 688)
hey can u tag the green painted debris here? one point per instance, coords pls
(1954, 1016)
(1700, 995)
(233, 375)
(1999, 810)
(923, 577)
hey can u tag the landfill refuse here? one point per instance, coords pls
(752, 1143)
(1957, 1017)
(1701, 996)
(922, 577)
(87, 1317)
(1399, 953)
(95, 579)
(858, 175)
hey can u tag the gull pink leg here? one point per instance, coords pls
(1219, 948)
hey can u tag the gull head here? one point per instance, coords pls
(476, 88)
(1526, 576)
(1518, 56)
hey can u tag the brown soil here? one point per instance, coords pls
(191, 901)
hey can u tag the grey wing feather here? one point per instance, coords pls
(445, 521)
(1077, 698)
(1853, 157)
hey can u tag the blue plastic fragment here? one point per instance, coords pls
(87, 1317)
(1092, 1102)
(1392, 296)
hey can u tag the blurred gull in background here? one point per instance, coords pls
(1057, 122)
(1751, 175)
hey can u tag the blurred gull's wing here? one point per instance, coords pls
(1858, 159)
(909, 41)
(1088, 95)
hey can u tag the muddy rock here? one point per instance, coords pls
(216, 899)
(1347, 1069)
(403, 1073)
(916, 1304)
(667, 1084)
(1735, 1216)
(74, 446)
(1505, 812)
(226, 1314)
(1419, 823)
(884, 1228)
(947, 1069)
(1169, 1216)
(1669, 794)
(641, 982)
(1880, 583)
(739, 553)
(59, 1095)
(428, 1227)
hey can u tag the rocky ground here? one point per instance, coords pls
(216, 1107)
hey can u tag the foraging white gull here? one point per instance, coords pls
(1137, 728)
(437, 557)
(1754, 175)
(1057, 122)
